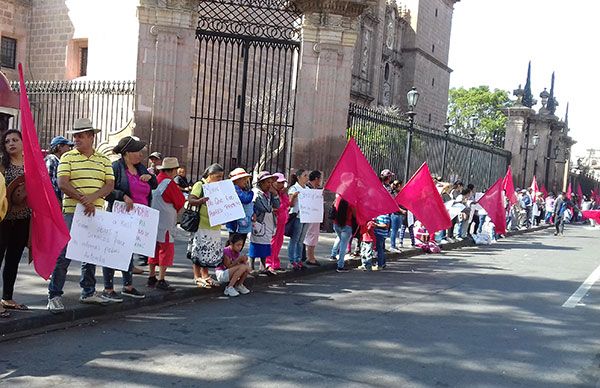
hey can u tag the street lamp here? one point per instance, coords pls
(412, 97)
(446, 135)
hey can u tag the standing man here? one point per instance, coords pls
(560, 205)
(154, 160)
(58, 146)
(527, 204)
(85, 177)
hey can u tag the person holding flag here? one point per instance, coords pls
(86, 177)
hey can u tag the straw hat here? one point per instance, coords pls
(263, 175)
(280, 177)
(238, 173)
(168, 164)
(83, 125)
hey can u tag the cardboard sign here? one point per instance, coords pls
(145, 241)
(105, 239)
(223, 202)
(310, 202)
(454, 209)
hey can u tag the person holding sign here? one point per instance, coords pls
(314, 228)
(133, 184)
(241, 182)
(205, 249)
(85, 176)
(266, 203)
(168, 200)
(298, 229)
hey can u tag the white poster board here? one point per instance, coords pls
(454, 209)
(223, 202)
(311, 206)
(106, 239)
(478, 207)
(145, 241)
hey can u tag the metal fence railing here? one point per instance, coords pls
(382, 138)
(56, 104)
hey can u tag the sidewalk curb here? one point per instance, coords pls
(86, 314)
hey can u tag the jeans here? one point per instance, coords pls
(396, 222)
(109, 274)
(380, 245)
(548, 216)
(559, 223)
(344, 234)
(481, 221)
(87, 281)
(411, 232)
(296, 243)
(59, 275)
(366, 254)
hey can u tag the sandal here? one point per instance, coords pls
(202, 283)
(211, 282)
(14, 306)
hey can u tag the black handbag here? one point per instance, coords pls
(289, 225)
(190, 220)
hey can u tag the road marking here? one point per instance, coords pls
(583, 289)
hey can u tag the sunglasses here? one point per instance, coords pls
(129, 141)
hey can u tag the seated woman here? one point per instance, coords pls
(234, 268)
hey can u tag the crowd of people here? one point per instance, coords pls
(80, 175)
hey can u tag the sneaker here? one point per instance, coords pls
(55, 305)
(341, 270)
(301, 266)
(111, 297)
(444, 241)
(230, 291)
(152, 280)
(95, 298)
(164, 286)
(364, 268)
(375, 268)
(295, 266)
(333, 258)
(242, 289)
(133, 293)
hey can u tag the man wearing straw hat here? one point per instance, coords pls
(85, 177)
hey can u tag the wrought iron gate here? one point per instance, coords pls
(243, 108)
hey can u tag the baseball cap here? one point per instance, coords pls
(58, 140)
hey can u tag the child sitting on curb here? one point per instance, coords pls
(234, 268)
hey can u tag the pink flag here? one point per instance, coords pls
(569, 191)
(509, 187)
(579, 193)
(354, 179)
(592, 215)
(49, 234)
(493, 202)
(421, 197)
(534, 186)
(544, 191)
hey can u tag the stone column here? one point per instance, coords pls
(515, 142)
(324, 81)
(164, 74)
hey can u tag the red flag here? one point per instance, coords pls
(509, 187)
(421, 197)
(569, 190)
(579, 193)
(354, 179)
(592, 215)
(493, 202)
(49, 234)
(534, 186)
(544, 191)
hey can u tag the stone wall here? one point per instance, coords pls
(14, 23)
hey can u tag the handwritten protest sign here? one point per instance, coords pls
(311, 206)
(481, 211)
(106, 239)
(145, 241)
(454, 209)
(223, 202)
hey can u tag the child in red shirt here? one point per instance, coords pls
(366, 246)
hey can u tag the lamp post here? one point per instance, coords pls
(535, 139)
(473, 123)
(446, 135)
(412, 97)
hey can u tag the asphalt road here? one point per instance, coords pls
(478, 317)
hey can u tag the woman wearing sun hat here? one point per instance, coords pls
(266, 203)
(241, 182)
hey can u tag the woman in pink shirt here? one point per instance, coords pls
(273, 261)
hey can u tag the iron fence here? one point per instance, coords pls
(382, 138)
(56, 104)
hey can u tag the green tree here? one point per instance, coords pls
(482, 102)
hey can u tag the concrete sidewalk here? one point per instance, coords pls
(31, 289)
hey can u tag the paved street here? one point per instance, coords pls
(482, 316)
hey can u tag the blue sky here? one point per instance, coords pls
(493, 40)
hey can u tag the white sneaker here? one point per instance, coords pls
(242, 289)
(444, 241)
(230, 291)
(95, 298)
(55, 305)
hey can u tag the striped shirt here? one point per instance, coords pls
(87, 175)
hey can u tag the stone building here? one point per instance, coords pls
(368, 51)
(402, 44)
